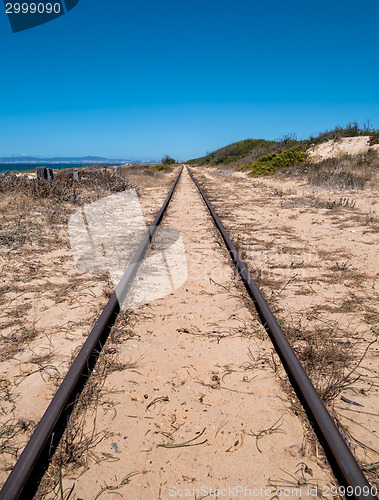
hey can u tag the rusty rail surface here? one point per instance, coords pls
(15, 485)
(342, 462)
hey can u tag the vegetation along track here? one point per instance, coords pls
(32, 459)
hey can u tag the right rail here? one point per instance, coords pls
(342, 461)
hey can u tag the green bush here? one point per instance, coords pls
(270, 163)
(167, 160)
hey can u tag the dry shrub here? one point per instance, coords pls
(77, 449)
(11, 238)
(62, 189)
(15, 342)
(105, 181)
(374, 139)
(80, 438)
(146, 176)
(345, 172)
(59, 190)
(326, 362)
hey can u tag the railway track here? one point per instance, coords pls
(33, 459)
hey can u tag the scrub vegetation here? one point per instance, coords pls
(263, 157)
(267, 164)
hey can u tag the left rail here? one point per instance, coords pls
(15, 485)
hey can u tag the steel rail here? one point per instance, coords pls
(343, 463)
(22, 471)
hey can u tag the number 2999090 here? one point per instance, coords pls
(32, 8)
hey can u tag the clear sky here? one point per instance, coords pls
(142, 78)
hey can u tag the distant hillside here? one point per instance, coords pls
(243, 153)
(81, 159)
(233, 152)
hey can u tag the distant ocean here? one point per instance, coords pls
(22, 167)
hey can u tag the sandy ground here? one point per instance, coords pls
(188, 393)
(199, 408)
(47, 308)
(345, 145)
(314, 253)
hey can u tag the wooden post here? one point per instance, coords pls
(41, 172)
(50, 174)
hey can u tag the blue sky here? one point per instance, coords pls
(142, 79)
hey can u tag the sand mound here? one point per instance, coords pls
(334, 148)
